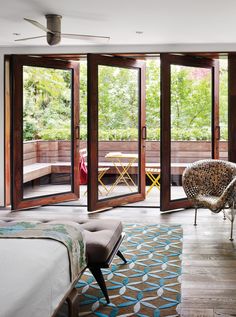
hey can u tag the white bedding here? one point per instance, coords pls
(34, 277)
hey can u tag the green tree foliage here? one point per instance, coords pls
(153, 99)
(224, 100)
(118, 101)
(47, 103)
(190, 103)
(83, 100)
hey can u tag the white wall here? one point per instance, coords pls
(230, 47)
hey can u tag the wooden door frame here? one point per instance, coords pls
(166, 61)
(7, 130)
(17, 63)
(93, 61)
(232, 107)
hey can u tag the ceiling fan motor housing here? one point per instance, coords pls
(54, 24)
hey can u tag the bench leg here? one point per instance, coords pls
(120, 255)
(35, 182)
(73, 303)
(97, 273)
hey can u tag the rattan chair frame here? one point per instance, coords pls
(212, 184)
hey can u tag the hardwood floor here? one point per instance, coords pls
(209, 258)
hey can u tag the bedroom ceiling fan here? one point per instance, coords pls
(53, 31)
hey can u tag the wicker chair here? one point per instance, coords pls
(212, 184)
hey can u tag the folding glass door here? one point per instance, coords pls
(189, 120)
(45, 133)
(116, 131)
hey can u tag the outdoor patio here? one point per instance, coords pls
(47, 167)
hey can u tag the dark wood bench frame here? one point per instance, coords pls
(95, 268)
(37, 170)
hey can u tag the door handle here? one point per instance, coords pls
(144, 132)
(77, 132)
(218, 132)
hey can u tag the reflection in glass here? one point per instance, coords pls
(47, 113)
(223, 107)
(190, 121)
(152, 145)
(118, 131)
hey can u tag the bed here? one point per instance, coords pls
(35, 274)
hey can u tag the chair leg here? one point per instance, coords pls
(232, 216)
(120, 255)
(97, 273)
(195, 217)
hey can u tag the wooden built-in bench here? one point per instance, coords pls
(43, 158)
(37, 170)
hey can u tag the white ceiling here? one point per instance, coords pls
(161, 21)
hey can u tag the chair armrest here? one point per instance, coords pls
(229, 194)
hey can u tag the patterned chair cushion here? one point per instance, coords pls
(210, 183)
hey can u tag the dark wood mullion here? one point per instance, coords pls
(190, 61)
(17, 200)
(165, 131)
(25, 60)
(75, 128)
(7, 129)
(16, 137)
(92, 131)
(93, 61)
(166, 61)
(115, 61)
(142, 123)
(232, 107)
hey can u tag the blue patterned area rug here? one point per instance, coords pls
(148, 285)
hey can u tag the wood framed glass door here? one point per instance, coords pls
(116, 142)
(189, 120)
(44, 131)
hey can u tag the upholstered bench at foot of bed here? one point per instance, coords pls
(103, 239)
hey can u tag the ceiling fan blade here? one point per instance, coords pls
(39, 25)
(91, 38)
(30, 38)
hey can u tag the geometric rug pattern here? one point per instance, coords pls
(148, 285)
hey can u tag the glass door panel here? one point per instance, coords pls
(191, 96)
(45, 134)
(47, 131)
(189, 121)
(223, 109)
(117, 132)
